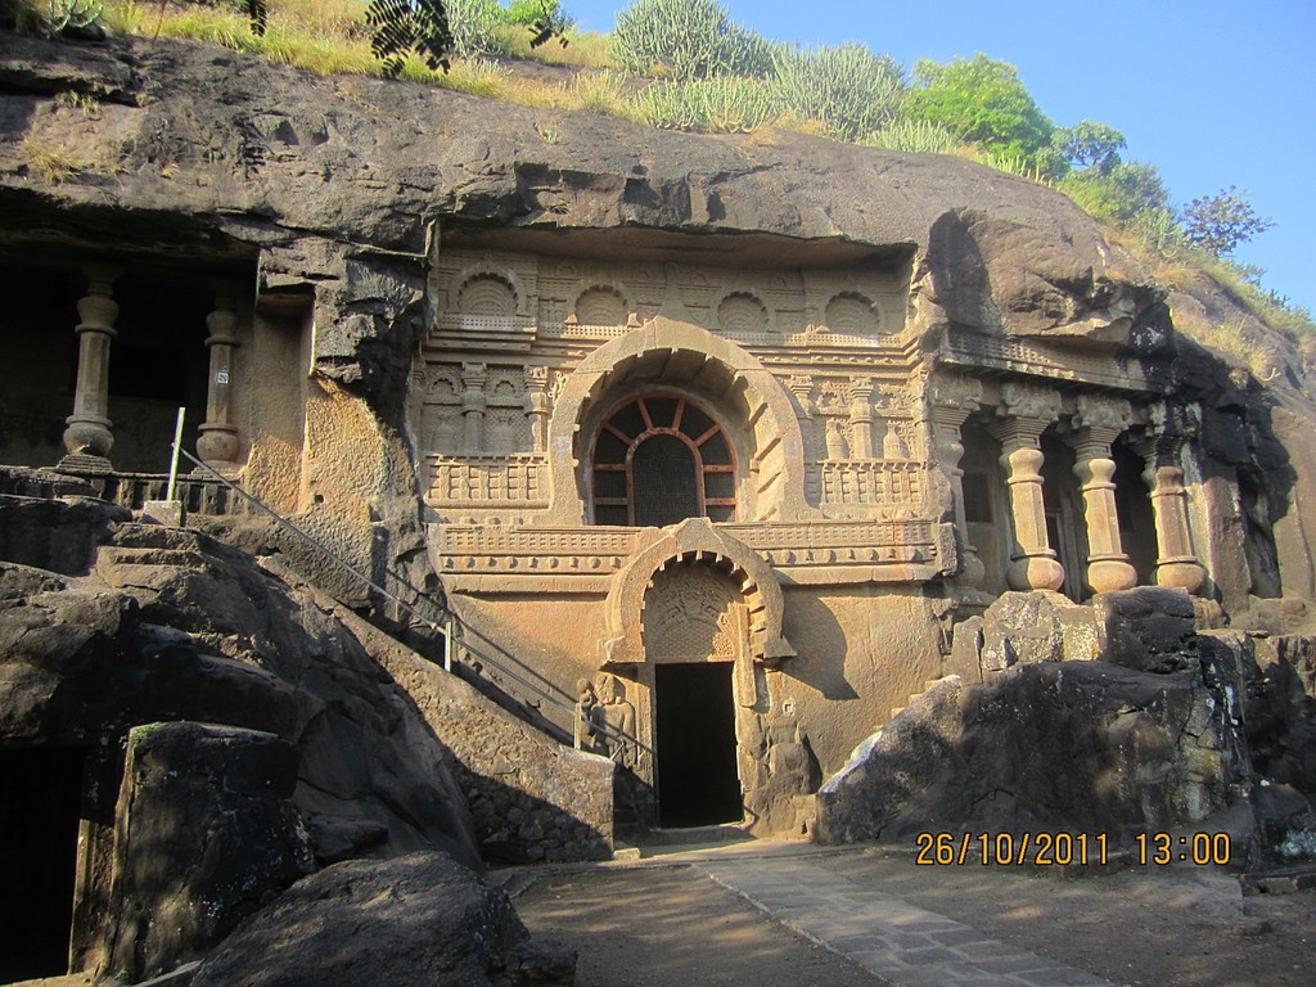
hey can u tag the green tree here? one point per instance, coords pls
(402, 26)
(982, 100)
(1120, 195)
(1219, 223)
(1091, 145)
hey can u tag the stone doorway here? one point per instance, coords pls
(40, 803)
(696, 634)
(698, 784)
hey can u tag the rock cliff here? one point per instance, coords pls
(339, 191)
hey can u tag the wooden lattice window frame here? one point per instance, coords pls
(714, 436)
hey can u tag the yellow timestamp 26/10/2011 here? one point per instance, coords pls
(1042, 849)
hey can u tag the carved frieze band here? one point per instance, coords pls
(1021, 356)
(500, 297)
(918, 543)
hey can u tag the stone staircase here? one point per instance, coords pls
(531, 796)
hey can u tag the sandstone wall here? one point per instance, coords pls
(861, 653)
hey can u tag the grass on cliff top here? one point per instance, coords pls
(329, 37)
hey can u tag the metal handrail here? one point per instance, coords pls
(454, 622)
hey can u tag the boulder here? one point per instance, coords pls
(412, 921)
(206, 833)
(1024, 628)
(1150, 628)
(1076, 746)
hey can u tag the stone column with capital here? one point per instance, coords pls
(88, 437)
(953, 399)
(537, 406)
(861, 418)
(801, 386)
(1176, 562)
(474, 404)
(1098, 422)
(218, 444)
(1026, 410)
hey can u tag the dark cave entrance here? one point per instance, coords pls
(158, 361)
(698, 784)
(40, 804)
(1066, 528)
(1137, 518)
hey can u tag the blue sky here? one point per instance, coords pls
(1212, 93)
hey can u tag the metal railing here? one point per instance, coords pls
(457, 635)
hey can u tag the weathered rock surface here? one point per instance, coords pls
(207, 833)
(413, 921)
(1073, 746)
(367, 745)
(1150, 628)
(1024, 628)
(172, 625)
(321, 171)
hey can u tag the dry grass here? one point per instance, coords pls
(584, 49)
(50, 160)
(331, 37)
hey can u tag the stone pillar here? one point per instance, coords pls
(861, 418)
(218, 444)
(473, 406)
(1099, 421)
(1176, 562)
(537, 406)
(801, 385)
(953, 400)
(88, 438)
(1027, 411)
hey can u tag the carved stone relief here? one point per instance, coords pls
(851, 312)
(743, 313)
(600, 306)
(689, 615)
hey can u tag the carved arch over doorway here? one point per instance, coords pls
(680, 350)
(694, 540)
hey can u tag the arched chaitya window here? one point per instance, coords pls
(661, 459)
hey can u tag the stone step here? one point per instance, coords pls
(137, 535)
(177, 557)
(718, 833)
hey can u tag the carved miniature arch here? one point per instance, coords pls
(852, 312)
(694, 540)
(742, 310)
(587, 291)
(776, 460)
(468, 278)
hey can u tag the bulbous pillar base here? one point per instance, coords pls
(1031, 572)
(1186, 574)
(218, 444)
(88, 440)
(1111, 575)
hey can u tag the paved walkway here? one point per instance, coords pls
(886, 935)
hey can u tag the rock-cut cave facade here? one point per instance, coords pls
(737, 506)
